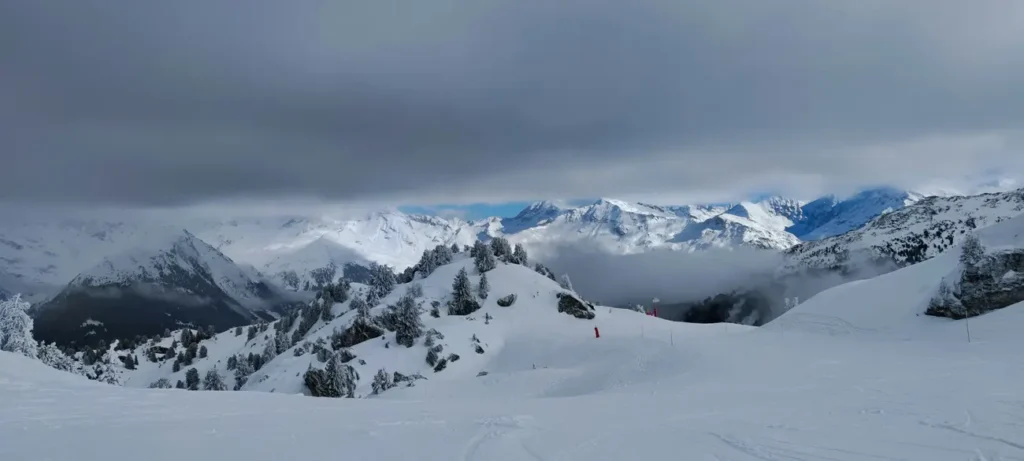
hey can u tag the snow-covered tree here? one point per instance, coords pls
(455, 248)
(103, 371)
(341, 378)
(382, 280)
(565, 283)
(501, 248)
(52, 356)
(381, 382)
(427, 263)
(463, 302)
(360, 306)
(484, 259)
(161, 383)
(484, 288)
(408, 325)
(213, 381)
(192, 379)
(443, 255)
(290, 279)
(203, 352)
(519, 255)
(971, 251)
(243, 369)
(16, 328)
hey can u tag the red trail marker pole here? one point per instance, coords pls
(597, 334)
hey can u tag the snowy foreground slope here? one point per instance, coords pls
(851, 374)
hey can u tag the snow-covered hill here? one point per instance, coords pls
(174, 278)
(908, 235)
(852, 374)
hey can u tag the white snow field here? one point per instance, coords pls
(851, 374)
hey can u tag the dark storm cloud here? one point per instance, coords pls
(193, 100)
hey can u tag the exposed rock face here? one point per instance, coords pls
(994, 283)
(570, 304)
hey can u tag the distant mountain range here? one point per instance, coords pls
(41, 256)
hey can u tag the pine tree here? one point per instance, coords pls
(176, 367)
(519, 255)
(455, 248)
(341, 378)
(238, 331)
(381, 382)
(232, 363)
(251, 333)
(16, 328)
(463, 302)
(442, 255)
(382, 280)
(203, 352)
(565, 283)
(408, 324)
(213, 381)
(971, 251)
(243, 369)
(484, 259)
(427, 263)
(179, 385)
(501, 248)
(192, 379)
(484, 288)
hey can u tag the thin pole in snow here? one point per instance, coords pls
(671, 338)
(967, 324)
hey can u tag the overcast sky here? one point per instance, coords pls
(443, 101)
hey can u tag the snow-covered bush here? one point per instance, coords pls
(506, 301)
(16, 328)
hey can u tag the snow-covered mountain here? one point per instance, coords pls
(908, 235)
(834, 378)
(829, 216)
(174, 278)
(40, 256)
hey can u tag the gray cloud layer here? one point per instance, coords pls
(170, 103)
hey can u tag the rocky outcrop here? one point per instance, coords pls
(997, 281)
(570, 304)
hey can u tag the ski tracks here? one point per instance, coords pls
(501, 438)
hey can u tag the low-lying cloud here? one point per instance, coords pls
(671, 276)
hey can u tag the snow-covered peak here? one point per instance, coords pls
(168, 257)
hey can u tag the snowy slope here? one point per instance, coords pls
(893, 305)
(908, 235)
(646, 389)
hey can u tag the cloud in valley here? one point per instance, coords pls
(172, 103)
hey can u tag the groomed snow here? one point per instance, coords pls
(876, 383)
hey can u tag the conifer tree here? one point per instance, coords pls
(408, 325)
(382, 280)
(243, 369)
(519, 255)
(213, 381)
(971, 251)
(484, 259)
(463, 302)
(484, 288)
(192, 379)
(455, 248)
(381, 382)
(203, 352)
